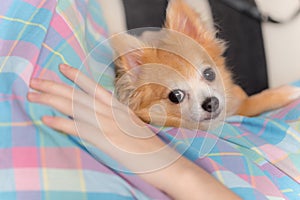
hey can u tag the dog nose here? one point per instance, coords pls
(211, 104)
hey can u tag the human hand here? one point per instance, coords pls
(100, 119)
(97, 117)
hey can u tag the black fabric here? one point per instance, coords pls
(145, 13)
(245, 54)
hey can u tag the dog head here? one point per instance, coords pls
(176, 78)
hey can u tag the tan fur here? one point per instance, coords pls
(147, 72)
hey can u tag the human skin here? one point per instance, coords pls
(178, 177)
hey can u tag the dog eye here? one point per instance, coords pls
(177, 96)
(209, 74)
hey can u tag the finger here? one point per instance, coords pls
(76, 128)
(92, 88)
(68, 107)
(64, 125)
(52, 87)
(62, 104)
(76, 96)
(85, 83)
(63, 90)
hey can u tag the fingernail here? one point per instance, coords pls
(47, 119)
(35, 82)
(64, 67)
(32, 96)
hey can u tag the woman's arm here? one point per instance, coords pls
(109, 125)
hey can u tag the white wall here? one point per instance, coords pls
(114, 14)
(282, 42)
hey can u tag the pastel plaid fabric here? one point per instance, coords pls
(258, 158)
(35, 161)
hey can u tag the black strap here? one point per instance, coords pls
(145, 13)
(245, 55)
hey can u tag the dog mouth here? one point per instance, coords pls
(212, 116)
(206, 117)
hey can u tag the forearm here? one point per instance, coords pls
(162, 166)
(184, 180)
(171, 172)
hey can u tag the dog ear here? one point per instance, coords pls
(184, 19)
(128, 50)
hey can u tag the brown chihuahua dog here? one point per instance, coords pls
(178, 77)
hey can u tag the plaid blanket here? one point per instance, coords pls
(257, 158)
